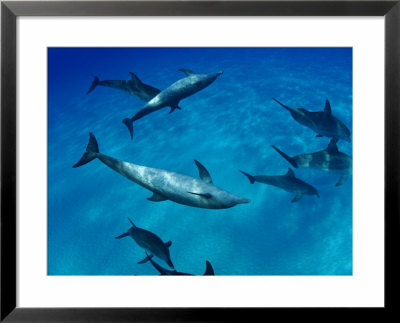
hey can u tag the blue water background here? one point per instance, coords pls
(228, 126)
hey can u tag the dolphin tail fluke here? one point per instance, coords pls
(288, 158)
(91, 152)
(129, 123)
(95, 82)
(251, 178)
(209, 269)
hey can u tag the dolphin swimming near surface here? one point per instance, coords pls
(323, 122)
(330, 160)
(173, 94)
(167, 185)
(288, 182)
(134, 87)
(149, 242)
(166, 272)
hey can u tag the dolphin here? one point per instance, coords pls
(149, 242)
(288, 182)
(134, 87)
(330, 160)
(166, 272)
(167, 185)
(173, 94)
(323, 122)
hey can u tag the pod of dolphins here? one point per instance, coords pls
(202, 193)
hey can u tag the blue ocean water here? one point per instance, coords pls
(228, 126)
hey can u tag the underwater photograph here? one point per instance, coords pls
(200, 161)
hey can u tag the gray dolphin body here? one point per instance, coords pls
(330, 160)
(166, 272)
(167, 185)
(173, 94)
(149, 242)
(134, 87)
(324, 123)
(288, 182)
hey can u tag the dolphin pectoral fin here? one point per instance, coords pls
(186, 71)
(209, 269)
(157, 197)
(205, 195)
(319, 136)
(297, 198)
(146, 259)
(126, 234)
(168, 244)
(342, 180)
(203, 173)
(174, 107)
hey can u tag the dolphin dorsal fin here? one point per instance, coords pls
(186, 71)
(134, 77)
(327, 108)
(209, 269)
(332, 145)
(168, 244)
(203, 173)
(290, 173)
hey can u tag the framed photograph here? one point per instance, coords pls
(246, 150)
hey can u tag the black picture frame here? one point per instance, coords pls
(10, 10)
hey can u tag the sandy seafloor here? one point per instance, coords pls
(228, 126)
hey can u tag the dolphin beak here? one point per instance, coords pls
(219, 73)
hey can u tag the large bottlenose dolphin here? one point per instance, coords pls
(149, 242)
(324, 123)
(134, 87)
(288, 182)
(171, 96)
(166, 272)
(167, 185)
(330, 160)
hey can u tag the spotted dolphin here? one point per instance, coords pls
(173, 94)
(323, 122)
(166, 272)
(167, 185)
(134, 87)
(330, 160)
(149, 242)
(288, 182)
